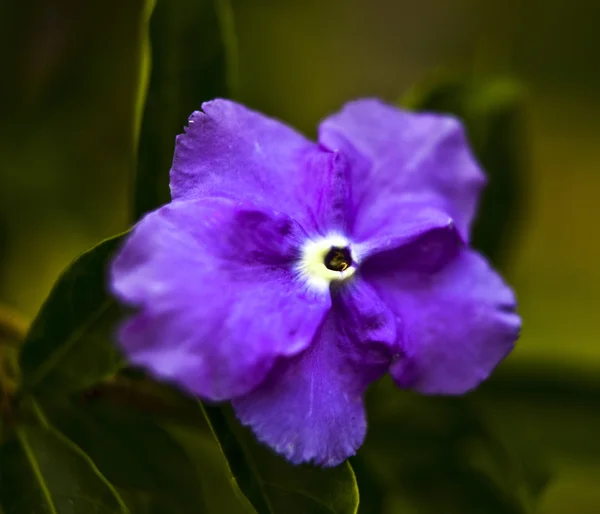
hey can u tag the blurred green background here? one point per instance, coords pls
(67, 108)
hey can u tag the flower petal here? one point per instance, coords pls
(218, 300)
(423, 238)
(402, 157)
(457, 324)
(231, 151)
(310, 406)
(327, 188)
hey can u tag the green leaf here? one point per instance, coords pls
(193, 60)
(42, 472)
(549, 407)
(134, 453)
(69, 346)
(443, 455)
(275, 486)
(492, 110)
(554, 410)
(372, 490)
(231, 462)
(221, 491)
(110, 422)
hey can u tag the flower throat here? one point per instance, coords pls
(338, 259)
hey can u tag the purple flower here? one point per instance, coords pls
(286, 276)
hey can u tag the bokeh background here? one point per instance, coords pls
(67, 154)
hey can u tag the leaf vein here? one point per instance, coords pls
(36, 470)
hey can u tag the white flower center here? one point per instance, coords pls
(326, 260)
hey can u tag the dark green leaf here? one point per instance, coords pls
(221, 491)
(442, 455)
(135, 454)
(547, 407)
(42, 472)
(191, 42)
(69, 346)
(491, 109)
(153, 443)
(272, 484)
(555, 409)
(372, 490)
